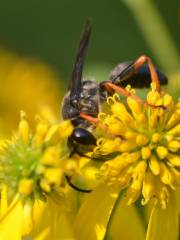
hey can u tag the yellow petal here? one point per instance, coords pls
(41, 217)
(127, 146)
(175, 131)
(153, 97)
(11, 222)
(120, 110)
(174, 159)
(174, 146)
(24, 130)
(145, 152)
(162, 152)
(177, 195)
(52, 135)
(154, 165)
(135, 106)
(65, 129)
(148, 188)
(40, 134)
(4, 201)
(174, 119)
(123, 216)
(93, 217)
(27, 217)
(51, 222)
(163, 223)
(165, 174)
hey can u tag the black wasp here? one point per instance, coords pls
(86, 96)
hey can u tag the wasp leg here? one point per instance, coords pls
(133, 67)
(68, 179)
(125, 93)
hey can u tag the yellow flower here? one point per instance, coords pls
(98, 217)
(32, 166)
(147, 156)
(138, 145)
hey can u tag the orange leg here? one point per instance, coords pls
(137, 64)
(143, 59)
(96, 122)
(125, 93)
(89, 118)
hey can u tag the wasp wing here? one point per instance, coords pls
(76, 79)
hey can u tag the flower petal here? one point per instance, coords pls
(177, 195)
(163, 223)
(124, 217)
(51, 222)
(93, 217)
(11, 222)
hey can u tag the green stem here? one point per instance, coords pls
(156, 33)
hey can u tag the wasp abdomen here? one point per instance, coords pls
(82, 136)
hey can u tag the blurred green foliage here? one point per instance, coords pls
(50, 30)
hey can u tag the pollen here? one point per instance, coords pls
(143, 153)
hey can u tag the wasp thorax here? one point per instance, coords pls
(88, 101)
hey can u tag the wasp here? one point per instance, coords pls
(85, 97)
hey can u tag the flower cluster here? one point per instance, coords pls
(33, 163)
(136, 153)
(143, 146)
(32, 166)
